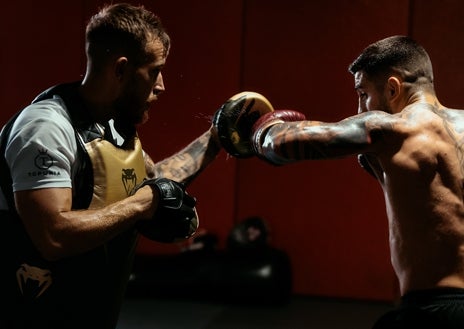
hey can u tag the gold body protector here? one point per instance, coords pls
(117, 171)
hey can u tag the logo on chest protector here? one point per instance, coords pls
(129, 179)
(33, 281)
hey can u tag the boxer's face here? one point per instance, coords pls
(142, 87)
(370, 96)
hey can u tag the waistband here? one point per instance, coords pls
(433, 295)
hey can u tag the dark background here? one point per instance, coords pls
(328, 216)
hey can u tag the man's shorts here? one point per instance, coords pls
(441, 308)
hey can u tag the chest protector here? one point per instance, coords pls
(116, 171)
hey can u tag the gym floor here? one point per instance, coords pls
(297, 313)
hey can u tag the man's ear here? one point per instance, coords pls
(393, 88)
(120, 67)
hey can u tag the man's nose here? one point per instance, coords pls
(159, 85)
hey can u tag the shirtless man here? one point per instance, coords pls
(413, 146)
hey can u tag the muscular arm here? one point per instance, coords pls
(312, 140)
(57, 231)
(186, 164)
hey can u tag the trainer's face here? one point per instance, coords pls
(143, 87)
(370, 96)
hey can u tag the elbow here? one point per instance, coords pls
(50, 250)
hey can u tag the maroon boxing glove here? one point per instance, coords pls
(262, 125)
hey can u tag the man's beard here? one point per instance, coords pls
(145, 117)
(126, 118)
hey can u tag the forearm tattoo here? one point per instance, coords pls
(185, 165)
(310, 140)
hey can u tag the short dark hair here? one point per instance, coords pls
(399, 54)
(124, 29)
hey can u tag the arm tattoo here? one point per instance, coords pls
(313, 140)
(310, 140)
(185, 165)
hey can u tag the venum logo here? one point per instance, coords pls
(33, 281)
(129, 179)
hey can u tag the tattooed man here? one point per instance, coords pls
(413, 146)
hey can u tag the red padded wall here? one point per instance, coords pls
(42, 44)
(439, 27)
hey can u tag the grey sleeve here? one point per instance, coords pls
(41, 149)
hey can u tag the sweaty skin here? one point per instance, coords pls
(414, 148)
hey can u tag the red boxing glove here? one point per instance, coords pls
(262, 125)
